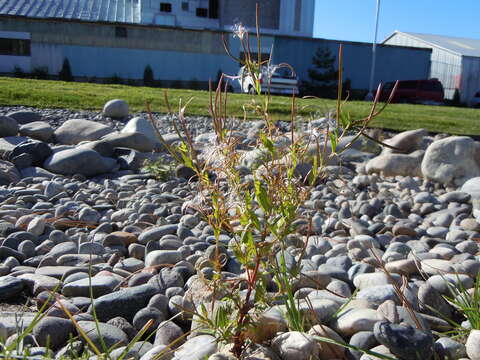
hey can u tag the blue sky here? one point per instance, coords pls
(354, 20)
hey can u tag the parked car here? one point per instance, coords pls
(276, 80)
(475, 101)
(427, 92)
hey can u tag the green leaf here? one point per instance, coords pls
(262, 197)
(267, 143)
(333, 141)
(313, 175)
(221, 317)
(246, 236)
(345, 120)
(249, 218)
(185, 155)
(203, 310)
(260, 291)
(348, 346)
(280, 223)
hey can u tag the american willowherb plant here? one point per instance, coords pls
(260, 210)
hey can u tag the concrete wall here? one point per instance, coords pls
(103, 35)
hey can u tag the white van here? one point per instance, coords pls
(273, 79)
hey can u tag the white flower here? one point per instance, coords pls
(239, 30)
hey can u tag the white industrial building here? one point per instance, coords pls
(20, 42)
(279, 17)
(454, 61)
(285, 17)
(180, 40)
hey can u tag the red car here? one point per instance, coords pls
(428, 92)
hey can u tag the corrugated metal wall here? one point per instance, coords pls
(178, 54)
(47, 56)
(445, 65)
(88, 10)
(103, 62)
(167, 64)
(130, 63)
(9, 63)
(470, 81)
(393, 63)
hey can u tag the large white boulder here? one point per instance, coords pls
(141, 125)
(116, 108)
(8, 126)
(451, 160)
(473, 345)
(39, 130)
(8, 173)
(392, 164)
(74, 131)
(472, 187)
(25, 116)
(134, 140)
(407, 141)
(295, 345)
(79, 161)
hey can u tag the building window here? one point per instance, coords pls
(120, 32)
(264, 56)
(213, 9)
(184, 5)
(165, 7)
(298, 15)
(14, 47)
(202, 12)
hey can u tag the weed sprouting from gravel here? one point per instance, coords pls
(262, 209)
(259, 206)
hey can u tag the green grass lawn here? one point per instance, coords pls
(76, 96)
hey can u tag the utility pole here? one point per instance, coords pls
(370, 94)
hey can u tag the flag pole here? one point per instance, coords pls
(370, 94)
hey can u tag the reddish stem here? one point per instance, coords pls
(238, 338)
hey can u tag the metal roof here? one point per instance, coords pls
(461, 46)
(122, 11)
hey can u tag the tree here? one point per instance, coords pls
(347, 88)
(18, 72)
(66, 73)
(457, 99)
(323, 75)
(148, 79)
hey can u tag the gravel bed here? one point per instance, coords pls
(75, 199)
